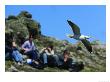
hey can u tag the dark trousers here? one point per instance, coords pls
(33, 54)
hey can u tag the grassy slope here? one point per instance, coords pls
(95, 62)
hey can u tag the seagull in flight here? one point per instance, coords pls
(78, 36)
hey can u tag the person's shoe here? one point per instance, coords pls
(19, 63)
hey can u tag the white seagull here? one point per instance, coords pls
(77, 35)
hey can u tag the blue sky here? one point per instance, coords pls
(53, 19)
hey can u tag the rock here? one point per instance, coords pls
(13, 69)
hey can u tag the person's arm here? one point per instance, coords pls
(48, 53)
(42, 50)
(34, 48)
(13, 44)
(52, 52)
(65, 59)
(24, 47)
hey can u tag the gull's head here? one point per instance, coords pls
(70, 35)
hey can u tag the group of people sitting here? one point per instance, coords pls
(45, 57)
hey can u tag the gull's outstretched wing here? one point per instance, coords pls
(75, 28)
(87, 45)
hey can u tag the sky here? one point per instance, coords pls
(53, 19)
